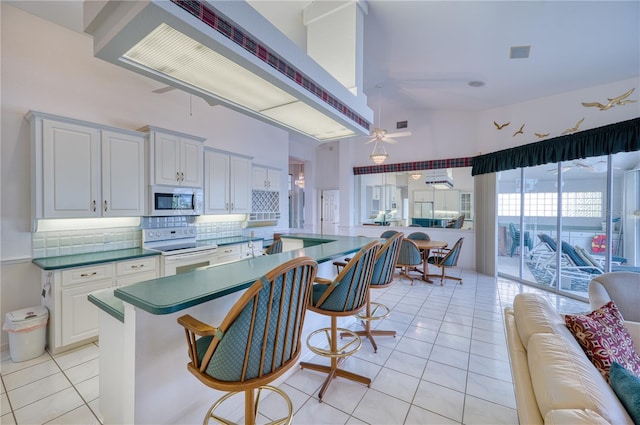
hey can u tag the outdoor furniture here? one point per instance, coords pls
(515, 239)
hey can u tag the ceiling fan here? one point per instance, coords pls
(380, 134)
(166, 89)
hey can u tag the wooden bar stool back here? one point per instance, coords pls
(344, 296)
(383, 273)
(259, 339)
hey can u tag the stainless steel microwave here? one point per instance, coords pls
(171, 201)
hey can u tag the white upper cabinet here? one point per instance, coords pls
(227, 183)
(266, 179)
(81, 169)
(175, 159)
(122, 174)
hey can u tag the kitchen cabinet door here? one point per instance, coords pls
(217, 175)
(70, 184)
(166, 159)
(240, 185)
(79, 316)
(123, 191)
(191, 162)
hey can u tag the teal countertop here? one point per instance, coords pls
(174, 293)
(79, 260)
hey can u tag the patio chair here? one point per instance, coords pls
(515, 239)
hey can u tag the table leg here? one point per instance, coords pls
(425, 267)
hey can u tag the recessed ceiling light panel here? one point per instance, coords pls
(199, 49)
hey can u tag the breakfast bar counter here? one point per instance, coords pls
(143, 352)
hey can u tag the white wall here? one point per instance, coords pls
(48, 68)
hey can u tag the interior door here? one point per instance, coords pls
(330, 212)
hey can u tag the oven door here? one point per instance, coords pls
(182, 263)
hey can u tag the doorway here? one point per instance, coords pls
(296, 194)
(329, 212)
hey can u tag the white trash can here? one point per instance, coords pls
(27, 329)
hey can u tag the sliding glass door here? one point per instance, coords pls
(561, 224)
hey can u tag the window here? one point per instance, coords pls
(544, 204)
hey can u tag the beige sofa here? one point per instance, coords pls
(555, 383)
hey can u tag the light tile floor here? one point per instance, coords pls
(448, 364)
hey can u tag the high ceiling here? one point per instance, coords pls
(426, 52)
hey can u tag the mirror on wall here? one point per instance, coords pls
(427, 198)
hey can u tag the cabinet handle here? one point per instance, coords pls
(232, 206)
(106, 205)
(88, 274)
(94, 205)
(177, 175)
(226, 206)
(137, 266)
(181, 176)
(265, 183)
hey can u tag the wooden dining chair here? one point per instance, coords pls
(258, 340)
(409, 258)
(274, 248)
(446, 258)
(383, 273)
(346, 295)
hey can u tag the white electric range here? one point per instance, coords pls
(180, 250)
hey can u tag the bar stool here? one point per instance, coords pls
(274, 248)
(383, 272)
(258, 340)
(344, 296)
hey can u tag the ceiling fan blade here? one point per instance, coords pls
(210, 101)
(390, 140)
(371, 141)
(400, 134)
(164, 89)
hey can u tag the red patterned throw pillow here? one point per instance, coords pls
(604, 339)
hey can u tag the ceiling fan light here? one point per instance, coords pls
(378, 158)
(416, 176)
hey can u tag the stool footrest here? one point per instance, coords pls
(349, 348)
(372, 314)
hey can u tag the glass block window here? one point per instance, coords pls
(545, 204)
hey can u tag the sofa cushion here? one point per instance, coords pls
(604, 339)
(626, 385)
(574, 417)
(563, 378)
(534, 314)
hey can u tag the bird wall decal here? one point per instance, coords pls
(501, 126)
(541, 136)
(620, 101)
(574, 129)
(519, 131)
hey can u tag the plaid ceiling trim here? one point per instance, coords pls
(234, 33)
(414, 166)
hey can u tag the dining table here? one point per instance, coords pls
(425, 247)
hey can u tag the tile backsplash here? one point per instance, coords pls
(84, 241)
(71, 242)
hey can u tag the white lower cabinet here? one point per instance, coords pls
(73, 319)
(228, 254)
(79, 316)
(138, 270)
